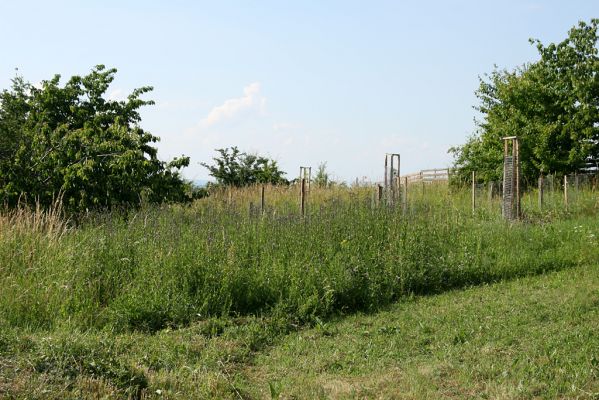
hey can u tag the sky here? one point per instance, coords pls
(303, 82)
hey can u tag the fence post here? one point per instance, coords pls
(473, 191)
(379, 194)
(405, 196)
(262, 200)
(541, 191)
(303, 197)
(566, 191)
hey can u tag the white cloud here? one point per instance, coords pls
(251, 99)
(116, 95)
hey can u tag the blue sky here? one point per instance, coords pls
(303, 81)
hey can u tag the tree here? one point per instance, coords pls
(234, 168)
(552, 105)
(322, 178)
(72, 141)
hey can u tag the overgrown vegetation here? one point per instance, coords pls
(131, 305)
(550, 104)
(169, 267)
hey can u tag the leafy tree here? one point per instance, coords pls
(71, 140)
(322, 178)
(552, 105)
(234, 168)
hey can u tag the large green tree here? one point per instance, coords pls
(235, 168)
(72, 141)
(552, 105)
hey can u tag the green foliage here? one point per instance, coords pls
(322, 178)
(72, 141)
(234, 168)
(552, 105)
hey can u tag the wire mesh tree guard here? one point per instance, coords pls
(510, 206)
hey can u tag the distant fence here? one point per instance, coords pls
(428, 176)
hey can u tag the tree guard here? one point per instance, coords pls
(305, 173)
(391, 177)
(510, 206)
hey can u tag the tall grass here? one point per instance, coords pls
(171, 265)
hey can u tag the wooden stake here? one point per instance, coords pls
(262, 200)
(303, 197)
(386, 172)
(566, 191)
(517, 165)
(405, 194)
(541, 192)
(379, 195)
(473, 191)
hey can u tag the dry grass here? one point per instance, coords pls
(50, 222)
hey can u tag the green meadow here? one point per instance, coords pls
(221, 299)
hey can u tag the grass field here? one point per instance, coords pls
(215, 300)
(534, 337)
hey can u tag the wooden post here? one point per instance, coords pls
(541, 191)
(405, 194)
(398, 173)
(262, 200)
(516, 144)
(303, 197)
(473, 191)
(398, 179)
(379, 195)
(386, 157)
(306, 173)
(566, 191)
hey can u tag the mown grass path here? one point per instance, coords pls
(536, 337)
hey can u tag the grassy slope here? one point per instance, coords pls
(533, 337)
